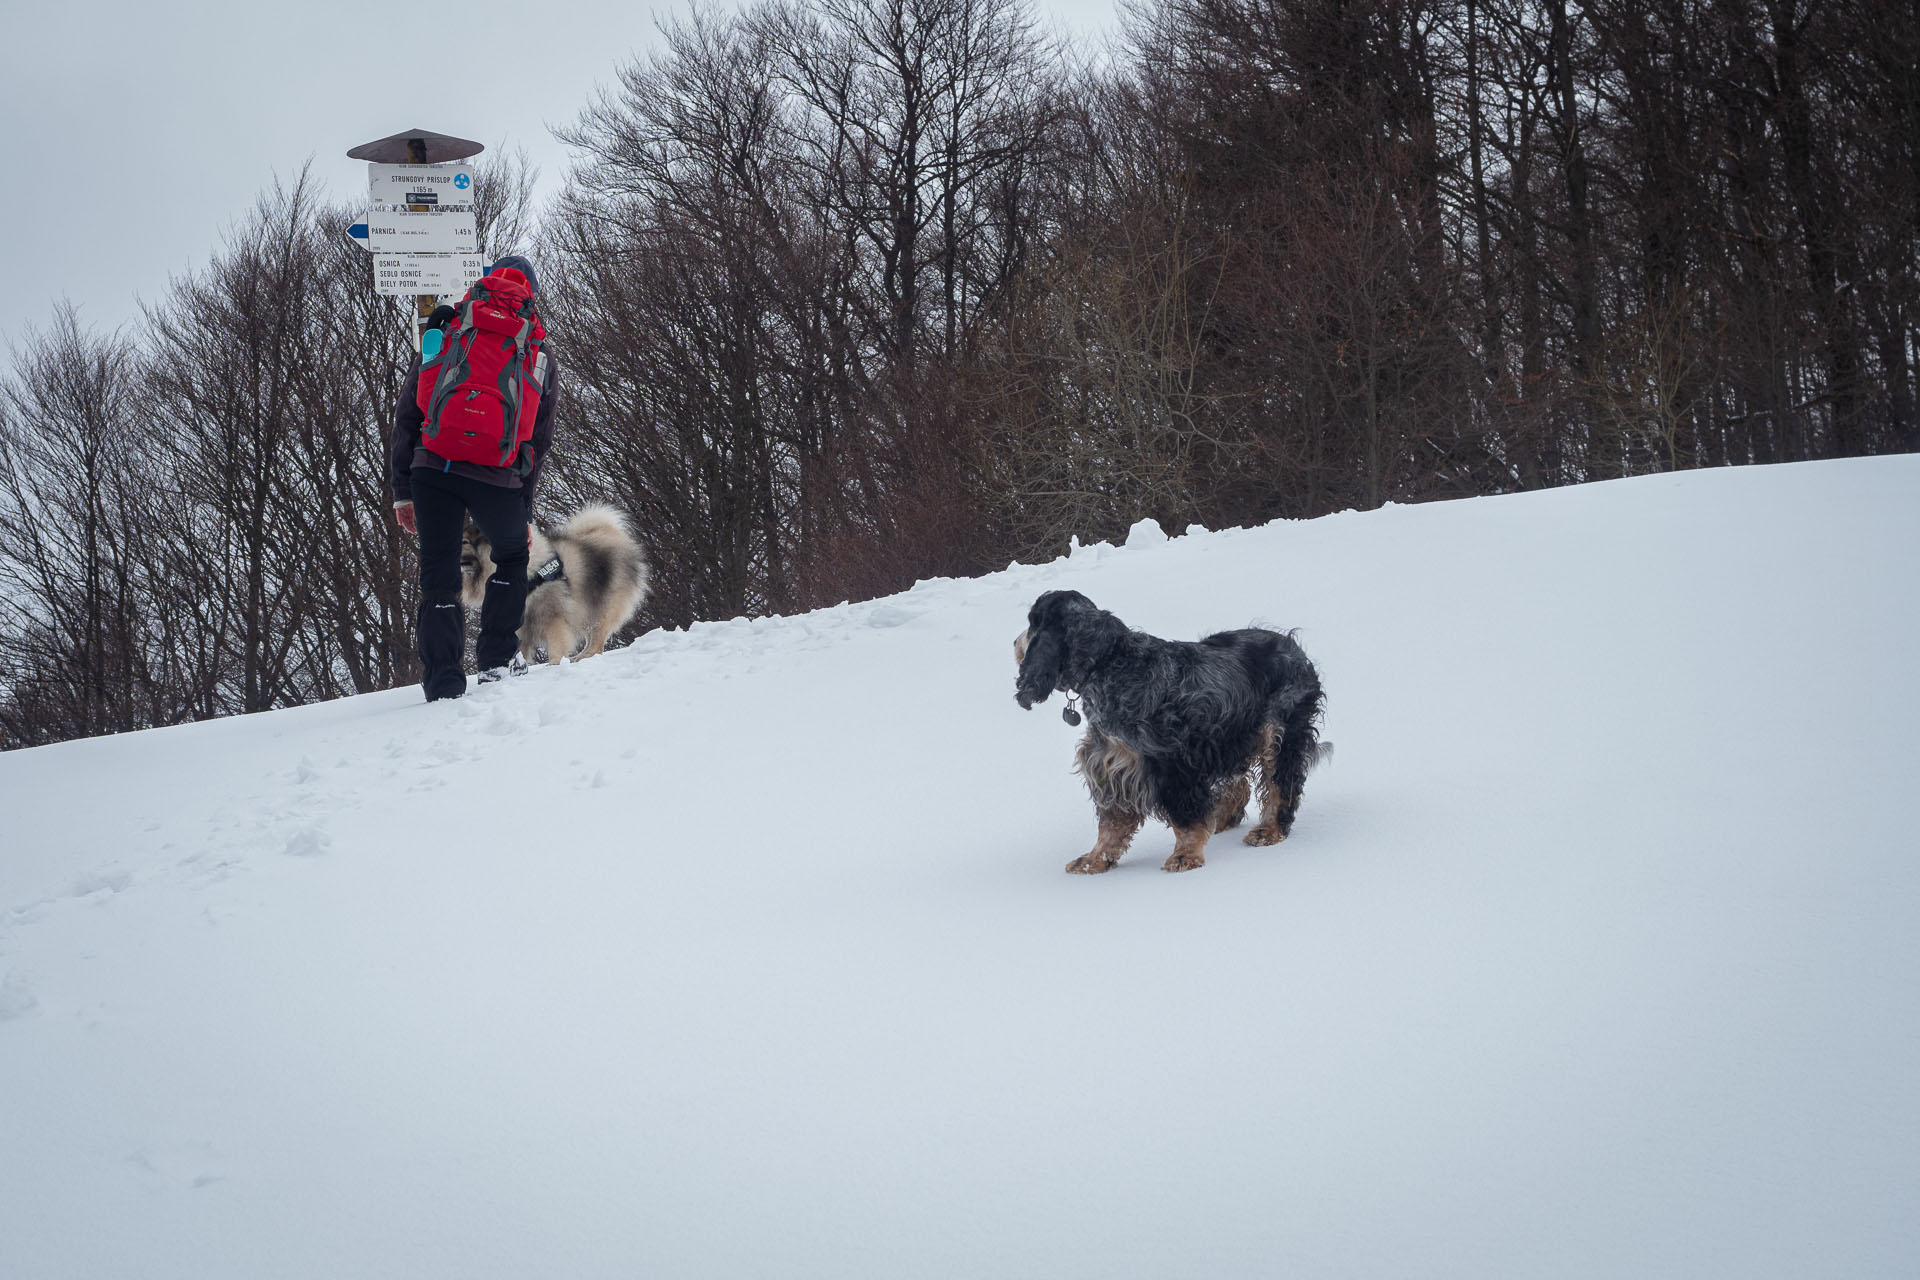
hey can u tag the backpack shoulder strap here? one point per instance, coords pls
(459, 342)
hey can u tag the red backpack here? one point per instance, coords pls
(481, 392)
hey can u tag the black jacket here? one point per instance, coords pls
(406, 452)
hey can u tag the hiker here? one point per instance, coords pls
(469, 440)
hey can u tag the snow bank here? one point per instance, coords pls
(746, 951)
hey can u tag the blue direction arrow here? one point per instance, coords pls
(359, 232)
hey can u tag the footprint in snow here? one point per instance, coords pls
(442, 753)
(29, 913)
(111, 882)
(16, 1000)
(309, 842)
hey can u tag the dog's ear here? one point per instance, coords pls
(1040, 668)
(1067, 637)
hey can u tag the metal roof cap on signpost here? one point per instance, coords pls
(416, 146)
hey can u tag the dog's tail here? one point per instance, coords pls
(598, 520)
(1300, 729)
(1295, 750)
(609, 566)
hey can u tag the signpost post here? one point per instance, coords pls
(420, 227)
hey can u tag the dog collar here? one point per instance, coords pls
(551, 571)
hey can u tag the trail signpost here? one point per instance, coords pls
(420, 226)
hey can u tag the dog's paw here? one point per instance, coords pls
(1089, 864)
(1189, 861)
(1264, 835)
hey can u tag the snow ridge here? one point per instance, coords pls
(746, 950)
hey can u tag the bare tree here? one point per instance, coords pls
(73, 657)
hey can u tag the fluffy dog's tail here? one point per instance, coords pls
(607, 568)
(598, 520)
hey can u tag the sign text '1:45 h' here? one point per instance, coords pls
(398, 231)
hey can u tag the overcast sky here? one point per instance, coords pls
(133, 134)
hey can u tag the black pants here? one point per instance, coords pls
(441, 503)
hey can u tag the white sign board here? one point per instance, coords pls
(444, 186)
(407, 275)
(397, 231)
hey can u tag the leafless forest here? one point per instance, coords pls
(853, 292)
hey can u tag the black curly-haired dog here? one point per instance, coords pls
(1174, 728)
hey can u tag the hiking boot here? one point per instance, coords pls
(516, 667)
(445, 684)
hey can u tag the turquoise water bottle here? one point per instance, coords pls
(430, 344)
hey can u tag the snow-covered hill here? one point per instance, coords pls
(747, 951)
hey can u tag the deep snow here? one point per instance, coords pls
(747, 951)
